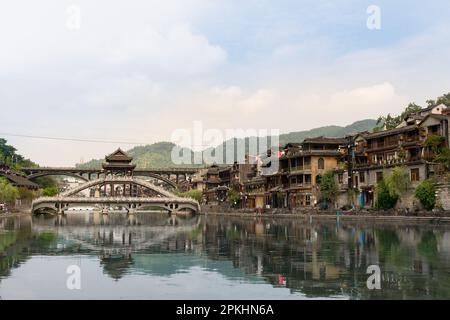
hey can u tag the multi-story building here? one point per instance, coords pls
(408, 146)
(291, 178)
(215, 181)
(296, 181)
(254, 195)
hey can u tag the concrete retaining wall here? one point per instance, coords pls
(443, 196)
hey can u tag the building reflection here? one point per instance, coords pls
(315, 258)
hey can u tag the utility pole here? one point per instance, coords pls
(350, 158)
(350, 161)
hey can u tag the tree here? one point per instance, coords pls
(387, 122)
(434, 142)
(426, 193)
(385, 200)
(193, 194)
(410, 109)
(391, 122)
(8, 193)
(328, 187)
(444, 99)
(27, 194)
(9, 157)
(234, 196)
(443, 156)
(50, 191)
(402, 153)
(46, 182)
(391, 187)
(398, 181)
(6, 152)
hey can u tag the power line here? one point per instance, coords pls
(70, 139)
(99, 140)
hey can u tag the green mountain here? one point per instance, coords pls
(158, 155)
(299, 136)
(329, 131)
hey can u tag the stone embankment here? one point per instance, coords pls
(370, 214)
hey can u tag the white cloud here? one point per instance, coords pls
(234, 107)
(365, 99)
(133, 92)
(177, 50)
(137, 72)
(150, 36)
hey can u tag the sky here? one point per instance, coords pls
(135, 71)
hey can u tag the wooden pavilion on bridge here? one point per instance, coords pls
(118, 163)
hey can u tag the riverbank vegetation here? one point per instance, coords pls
(234, 197)
(8, 193)
(10, 157)
(385, 199)
(391, 188)
(11, 160)
(329, 188)
(426, 194)
(193, 194)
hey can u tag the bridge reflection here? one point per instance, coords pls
(314, 258)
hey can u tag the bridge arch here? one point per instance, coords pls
(118, 180)
(63, 203)
(157, 177)
(56, 173)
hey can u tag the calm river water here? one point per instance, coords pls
(217, 257)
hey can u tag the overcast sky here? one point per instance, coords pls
(137, 70)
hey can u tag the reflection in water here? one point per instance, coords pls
(237, 256)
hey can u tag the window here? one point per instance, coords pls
(414, 154)
(340, 178)
(379, 176)
(415, 176)
(318, 179)
(307, 179)
(362, 177)
(321, 164)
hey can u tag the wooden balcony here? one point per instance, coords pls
(301, 168)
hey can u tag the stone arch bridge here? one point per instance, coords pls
(130, 193)
(169, 177)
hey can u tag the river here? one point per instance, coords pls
(88, 255)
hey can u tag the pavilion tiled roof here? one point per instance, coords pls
(19, 181)
(118, 156)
